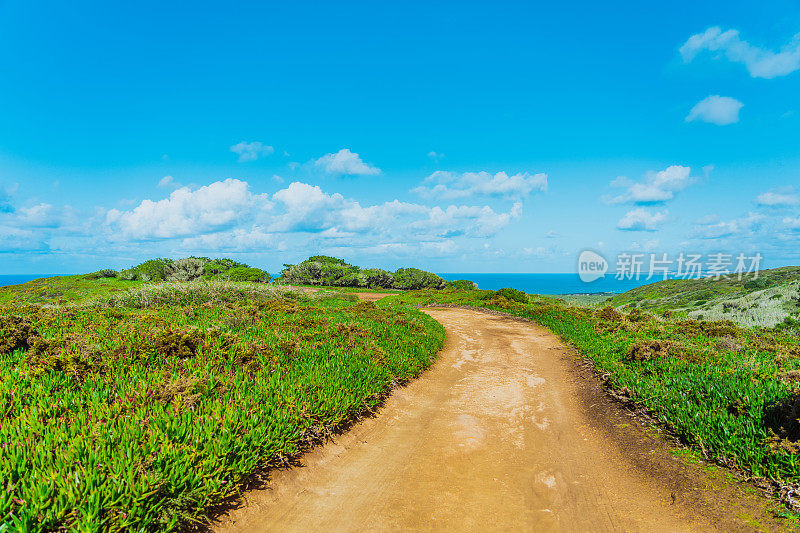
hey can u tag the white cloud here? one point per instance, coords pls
(657, 187)
(345, 162)
(435, 156)
(719, 110)
(166, 181)
(306, 208)
(228, 217)
(41, 216)
(641, 219)
(449, 185)
(792, 223)
(20, 240)
(711, 227)
(186, 212)
(239, 239)
(760, 62)
(250, 151)
(778, 198)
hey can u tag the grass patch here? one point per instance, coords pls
(147, 407)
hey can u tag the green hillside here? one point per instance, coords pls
(769, 299)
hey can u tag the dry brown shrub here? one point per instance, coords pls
(647, 350)
(17, 333)
(729, 344)
(610, 314)
(351, 329)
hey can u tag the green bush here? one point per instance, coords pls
(100, 274)
(333, 272)
(153, 270)
(327, 260)
(414, 279)
(512, 294)
(462, 285)
(127, 275)
(379, 279)
(244, 273)
(188, 269)
(191, 269)
(756, 284)
(213, 267)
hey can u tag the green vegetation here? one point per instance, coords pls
(190, 269)
(461, 285)
(333, 272)
(152, 403)
(512, 295)
(63, 290)
(732, 394)
(767, 300)
(131, 404)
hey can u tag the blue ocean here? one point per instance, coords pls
(549, 283)
(530, 283)
(16, 279)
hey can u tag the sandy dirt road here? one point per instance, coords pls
(505, 432)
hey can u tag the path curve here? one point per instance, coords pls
(505, 432)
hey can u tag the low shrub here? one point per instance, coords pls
(191, 269)
(153, 270)
(127, 275)
(512, 294)
(100, 274)
(462, 285)
(16, 333)
(757, 284)
(244, 273)
(334, 272)
(414, 279)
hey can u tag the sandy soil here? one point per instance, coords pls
(505, 432)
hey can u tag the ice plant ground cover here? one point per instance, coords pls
(142, 408)
(135, 405)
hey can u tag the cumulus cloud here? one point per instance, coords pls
(228, 217)
(641, 219)
(778, 198)
(712, 227)
(792, 223)
(14, 239)
(345, 162)
(760, 62)
(250, 151)
(435, 155)
(188, 212)
(656, 188)
(237, 240)
(306, 208)
(166, 182)
(41, 216)
(450, 185)
(719, 110)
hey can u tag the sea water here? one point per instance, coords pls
(550, 283)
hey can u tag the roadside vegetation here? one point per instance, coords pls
(188, 269)
(332, 272)
(730, 393)
(150, 403)
(140, 399)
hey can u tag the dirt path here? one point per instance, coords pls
(505, 432)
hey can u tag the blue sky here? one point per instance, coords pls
(454, 136)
